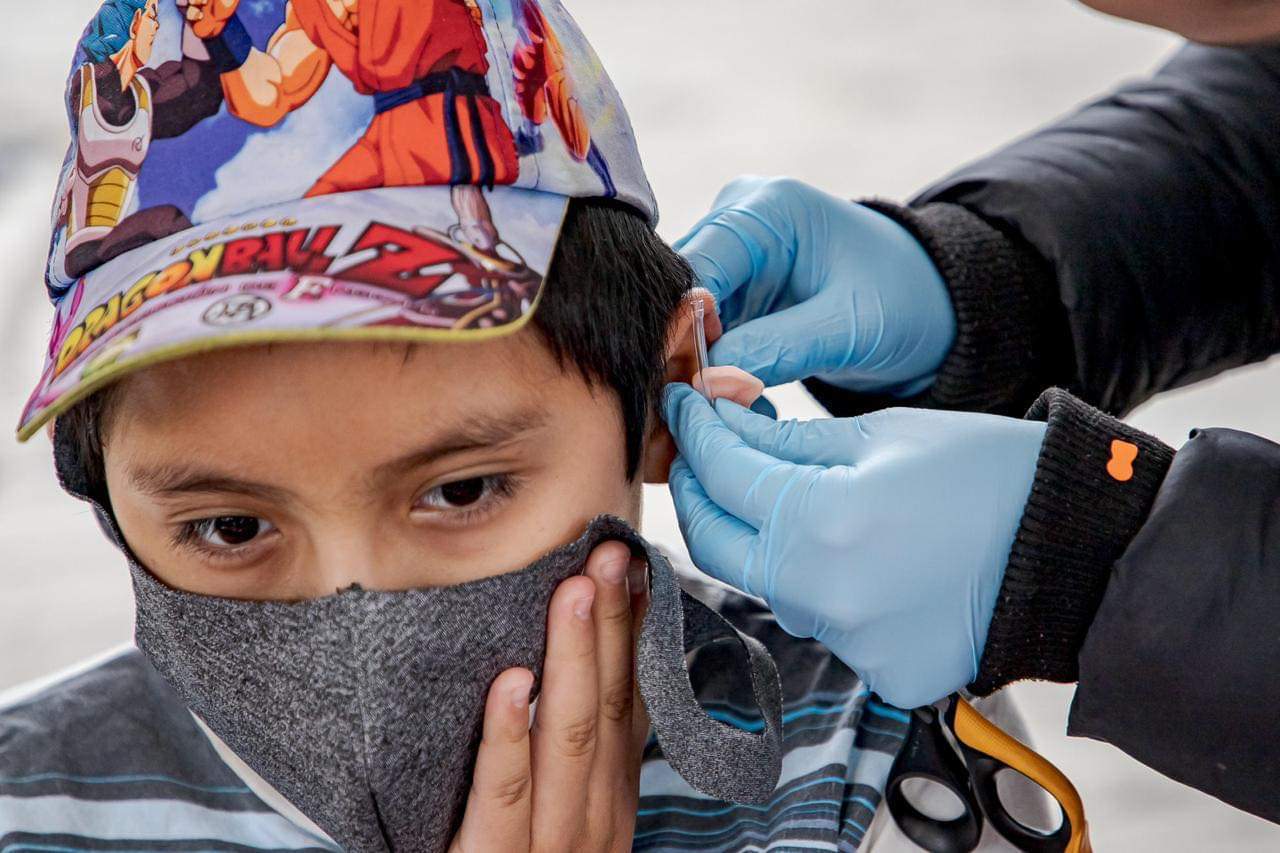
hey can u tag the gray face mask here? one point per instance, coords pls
(365, 708)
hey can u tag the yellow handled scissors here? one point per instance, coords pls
(968, 770)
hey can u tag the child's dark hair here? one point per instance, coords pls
(612, 290)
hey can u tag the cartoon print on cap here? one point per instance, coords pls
(268, 170)
(424, 67)
(118, 105)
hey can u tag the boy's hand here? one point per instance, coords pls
(572, 782)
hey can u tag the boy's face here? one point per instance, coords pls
(292, 472)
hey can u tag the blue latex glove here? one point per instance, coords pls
(808, 284)
(885, 536)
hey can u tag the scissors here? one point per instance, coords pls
(965, 760)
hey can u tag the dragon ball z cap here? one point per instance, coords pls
(246, 171)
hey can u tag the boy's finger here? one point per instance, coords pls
(608, 567)
(497, 815)
(565, 727)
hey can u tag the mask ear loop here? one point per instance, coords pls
(720, 760)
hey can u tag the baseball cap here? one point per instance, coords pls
(277, 170)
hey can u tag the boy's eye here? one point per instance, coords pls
(230, 531)
(464, 494)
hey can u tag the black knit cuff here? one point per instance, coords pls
(1095, 482)
(1011, 341)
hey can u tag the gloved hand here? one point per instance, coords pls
(808, 284)
(885, 537)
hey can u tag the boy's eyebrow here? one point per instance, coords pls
(170, 480)
(475, 434)
(478, 433)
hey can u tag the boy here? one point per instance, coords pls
(334, 438)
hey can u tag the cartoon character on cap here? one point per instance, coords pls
(544, 87)
(118, 106)
(424, 63)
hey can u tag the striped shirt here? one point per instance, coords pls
(109, 759)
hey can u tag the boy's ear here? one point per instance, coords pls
(682, 356)
(682, 366)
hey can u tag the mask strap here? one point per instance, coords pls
(720, 760)
(716, 758)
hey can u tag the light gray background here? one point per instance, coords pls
(856, 96)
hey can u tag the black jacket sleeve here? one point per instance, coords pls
(1152, 579)
(1131, 247)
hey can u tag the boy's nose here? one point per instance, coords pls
(343, 557)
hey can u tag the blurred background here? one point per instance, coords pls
(856, 96)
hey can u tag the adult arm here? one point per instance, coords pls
(931, 550)
(1157, 593)
(1129, 248)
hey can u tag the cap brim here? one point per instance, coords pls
(383, 264)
